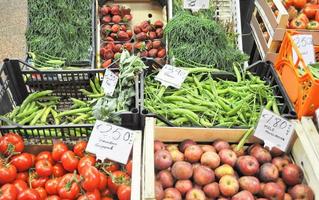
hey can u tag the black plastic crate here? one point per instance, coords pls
(265, 70)
(17, 84)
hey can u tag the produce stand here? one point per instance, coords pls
(312, 133)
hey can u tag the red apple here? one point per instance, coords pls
(249, 183)
(276, 152)
(261, 154)
(243, 195)
(227, 156)
(228, 185)
(210, 159)
(195, 194)
(163, 159)
(172, 193)
(301, 191)
(211, 190)
(287, 197)
(203, 175)
(224, 170)
(272, 190)
(247, 165)
(158, 145)
(183, 186)
(166, 178)
(193, 153)
(280, 163)
(185, 143)
(207, 148)
(159, 192)
(292, 174)
(182, 170)
(268, 172)
(220, 144)
(281, 183)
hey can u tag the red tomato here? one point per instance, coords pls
(111, 166)
(128, 167)
(53, 197)
(45, 155)
(67, 187)
(8, 192)
(43, 167)
(95, 195)
(106, 193)
(58, 170)
(107, 198)
(103, 181)
(11, 142)
(29, 194)
(24, 176)
(58, 150)
(37, 181)
(51, 186)
(69, 161)
(22, 162)
(20, 185)
(91, 178)
(116, 179)
(299, 3)
(87, 160)
(8, 173)
(79, 148)
(317, 16)
(124, 192)
(42, 193)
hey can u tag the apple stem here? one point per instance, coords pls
(244, 139)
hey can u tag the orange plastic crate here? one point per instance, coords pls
(302, 89)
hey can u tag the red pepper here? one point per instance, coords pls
(313, 25)
(297, 24)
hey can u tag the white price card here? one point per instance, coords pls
(108, 141)
(274, 130)
(195, 5)
(109, 82)
(172, 76)
(305, 46)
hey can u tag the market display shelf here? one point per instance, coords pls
(312, 134)
(301, 153)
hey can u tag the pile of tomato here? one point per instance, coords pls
(59, 174)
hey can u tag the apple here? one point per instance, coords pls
(210, 159)
(193, 153)
(159, 192)
(280, 163)
(249, 183)
(197, 186)
(223, 198)
(272, 190)
(287, 197)
(261, 154)
(238, 152)
(211, 190)
(183, 186)
(163, 159)
(182, 170)
(247, 165)
(195, 194)
(224, 170)
(228, 185)
(207, 148)
(203, 175)
(268, 172)
(185, 143)
(301, 191)
(166, 178)
(171, 147)
(243, 195)
(172, 193)
(286, 157)
(220, 144)
(227, 156)
(176, 155)
(281, 183)
(158, 145)
(292, 174)
(276, 152)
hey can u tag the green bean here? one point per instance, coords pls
(78, 102)
(275, 107)
(72, 112)
(14, 112)
(37, 117)
(28, 119)
(45, 115)
(27, 113)
(93, 87)
(176, 98)
(185, 112)
(34, 96)
(55, 117)
(238, 76)
(97, 84)
(96, 95)
(179, 121)
(84, 91)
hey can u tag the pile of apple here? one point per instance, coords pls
(222, 171)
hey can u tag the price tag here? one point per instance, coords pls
(274, 130)
(172, 76)
(305, 46)
(195, 5)
(109, 82)
(108, 141)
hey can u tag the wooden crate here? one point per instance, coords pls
(301, 153)
(311, 133)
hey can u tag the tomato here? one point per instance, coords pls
(106, 193)
(87, 160)
(310, 10)
(53, 197)
(299, 3)
(10, 143)
(107, 198)
(29, 194)
(58, 150)
(8, 192)
(317, 16)
(37, 181)
(69, 161)
(111, 166)
(20, 185)
(288, 3)
(124, 192)
(95, 195)
(22, 162)
(42, 193)
(128, 167)
(68, 187)
(51, 186)
(91, 178)
(116, 179)
(8, 173)
(297, 24)
(79, 148)
(45, 155)
(24, 176)
(58, 170)
(43, 167)
(303, 18)
(103, 181)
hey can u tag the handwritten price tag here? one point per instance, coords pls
(196, 4)
(108, 141)
(172, 76)
(274, 130)
(305, 46)
(109, 82)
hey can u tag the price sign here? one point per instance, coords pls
(196, 4)
(172, 76)
(274, 130)
(109, 82)
(108, 141)
(305, 46)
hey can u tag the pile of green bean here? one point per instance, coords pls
(203, 101)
